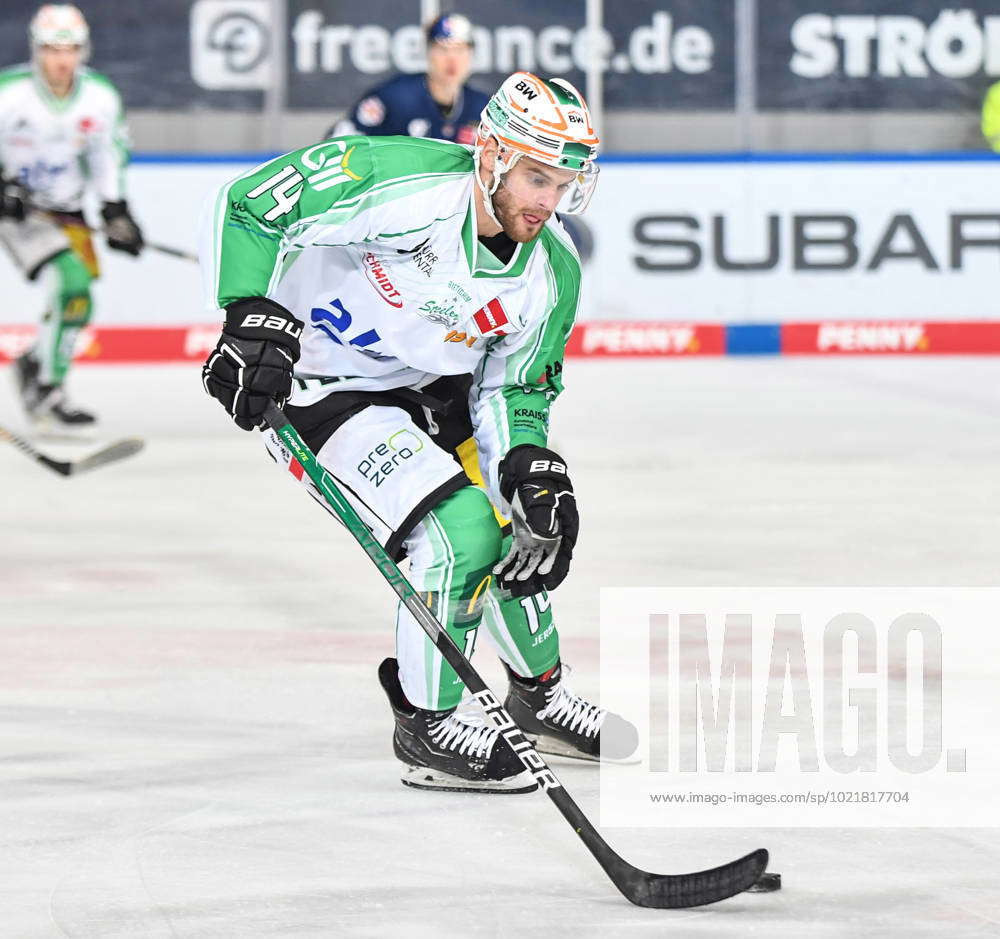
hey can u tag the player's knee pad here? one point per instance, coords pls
(470, 528)
(71, 300)
(467, 517)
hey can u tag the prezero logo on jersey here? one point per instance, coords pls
(379, 279)
(491, 318)
(383, 459)
(230, 45)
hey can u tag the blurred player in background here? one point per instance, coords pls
(436, 104)
(416, 263)
(61, 130)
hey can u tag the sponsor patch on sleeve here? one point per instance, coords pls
(491, 318)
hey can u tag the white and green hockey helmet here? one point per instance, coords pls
(548, 121)
(59, 24)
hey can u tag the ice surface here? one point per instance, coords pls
(193, 741)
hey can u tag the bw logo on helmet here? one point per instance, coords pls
(548, 121)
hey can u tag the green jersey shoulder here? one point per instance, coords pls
(343, 173)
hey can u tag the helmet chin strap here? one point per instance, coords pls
(497, 179)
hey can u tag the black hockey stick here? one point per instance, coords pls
(113, 452)
(662, 891)
(62, 219)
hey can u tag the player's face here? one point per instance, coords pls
(59, 65)
(449, 62)
(528, 195)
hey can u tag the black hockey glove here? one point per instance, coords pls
(13, 199)
(120, 228)
(545, 520)
(252, 364)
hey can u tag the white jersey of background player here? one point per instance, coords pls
(61, 131)
(423, 293)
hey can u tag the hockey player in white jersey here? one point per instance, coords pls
(61, 131)
(363, 280)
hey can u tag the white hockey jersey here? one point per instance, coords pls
(56, 146)
(372, 243)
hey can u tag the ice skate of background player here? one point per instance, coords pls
(61, 131)
(383, 272)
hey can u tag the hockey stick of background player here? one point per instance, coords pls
(113, 452)
(662, 891)
(163, 249)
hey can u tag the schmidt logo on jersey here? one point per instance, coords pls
(383, 459)
(379, 279)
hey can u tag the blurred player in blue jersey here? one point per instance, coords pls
(436, 104)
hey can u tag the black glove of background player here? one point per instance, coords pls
(120, 228)
(252, 363)
(545, 521)
(13, 199)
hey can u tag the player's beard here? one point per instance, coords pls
(510, 216)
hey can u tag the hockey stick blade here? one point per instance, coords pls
(112, 453)
(660, 891)
(109, 454)
(681, 891)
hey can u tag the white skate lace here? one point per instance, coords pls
(465, 734)
(564, 707)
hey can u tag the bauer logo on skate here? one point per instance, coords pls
(518, 742)
(753, 692)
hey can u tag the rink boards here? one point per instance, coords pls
(804, 254)
(192, 343)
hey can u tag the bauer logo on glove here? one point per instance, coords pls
(291, 326)
(253, 361)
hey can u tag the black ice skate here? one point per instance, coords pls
(447, 750)
(561, 723)
(46, 405)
